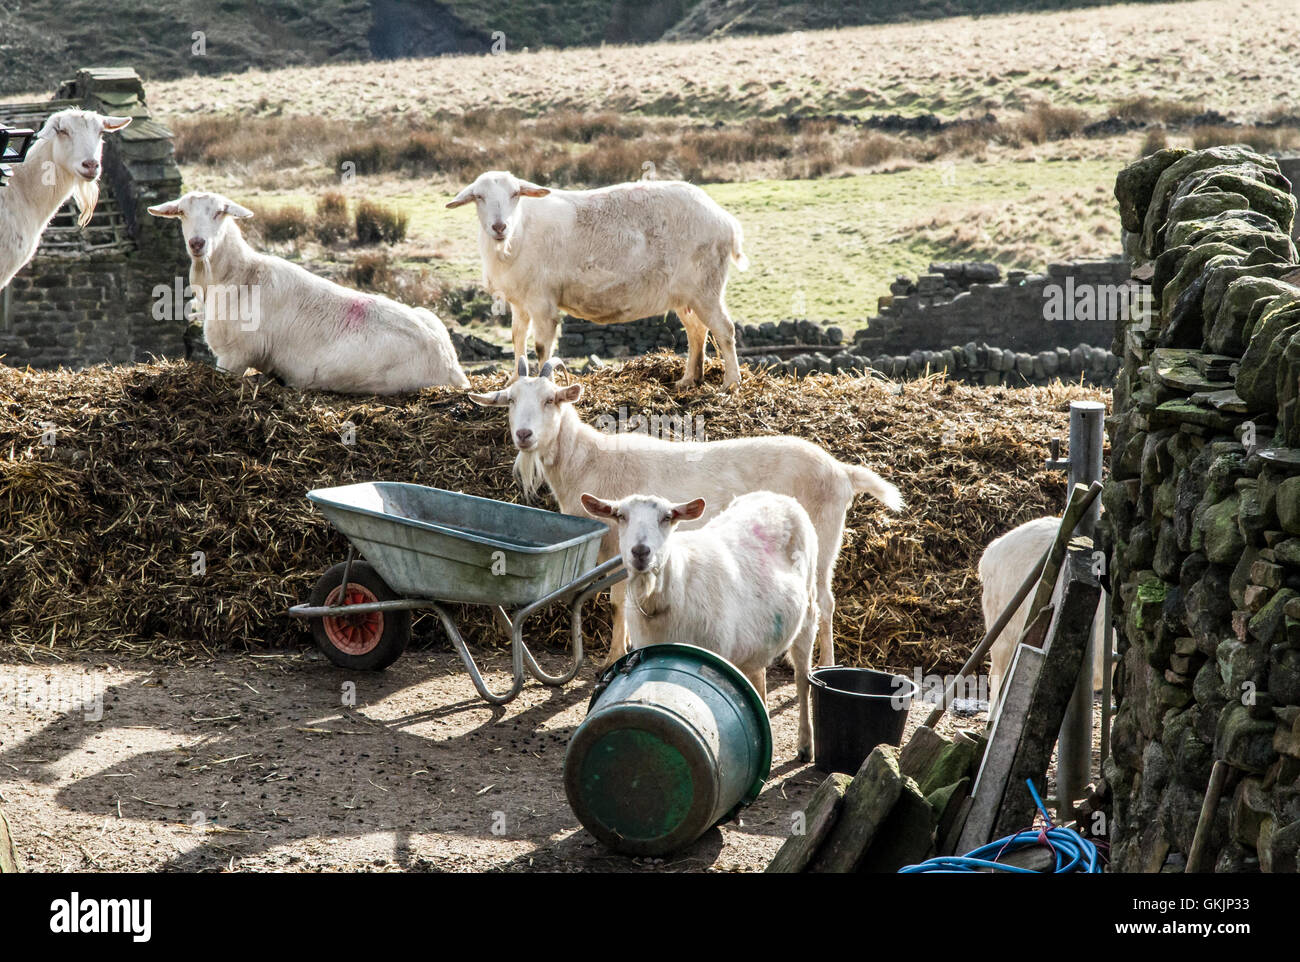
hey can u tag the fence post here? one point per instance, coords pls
(1074, 749)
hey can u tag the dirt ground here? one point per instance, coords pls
(255, 763)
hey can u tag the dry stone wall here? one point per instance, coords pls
(1202, 516)
(1042, 325)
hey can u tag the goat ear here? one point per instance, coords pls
(689, 510)
(51, 127)
(464, 197)
(569, 393)
(170, 209)
(496, 399)
(235, 210)
(116, 123)
(527, 189)
(596, 507)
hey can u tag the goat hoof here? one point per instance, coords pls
(730, 386)
(805, 755)
(685, 384)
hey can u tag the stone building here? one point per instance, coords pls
(88, 295)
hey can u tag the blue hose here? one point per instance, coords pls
(1074, 853)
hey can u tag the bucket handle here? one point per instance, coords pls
(620, 667)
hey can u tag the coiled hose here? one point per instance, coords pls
(1074, 853)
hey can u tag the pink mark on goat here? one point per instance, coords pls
(764, 544)
(354, 318)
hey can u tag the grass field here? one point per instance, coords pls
(833, 211)
(833, 245)
(1090, 58)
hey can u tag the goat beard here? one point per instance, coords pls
(86, 195)
(528, 472)
(201, 279)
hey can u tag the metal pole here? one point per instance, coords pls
(1107, 668)
(1074, 747)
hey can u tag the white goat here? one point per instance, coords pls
(263, 312)
(1006, 563)
(63, 162)
(744, 585)
(609, 255)
(556, 446)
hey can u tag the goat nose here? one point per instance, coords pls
(523, 435)
(640, 552)
(499, 227)
(197, 244)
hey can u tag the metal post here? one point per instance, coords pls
(1107, 669)
(1074, 748)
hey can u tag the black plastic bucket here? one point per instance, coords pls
(854, 710)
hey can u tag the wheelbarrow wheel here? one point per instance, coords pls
(366, 642)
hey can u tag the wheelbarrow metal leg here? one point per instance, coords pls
(517, 640)
(463, 650)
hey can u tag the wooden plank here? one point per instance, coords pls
(9, 862)
(1074, 513)
(906, 837)
(1000, 754)
(867, 804)
(921, 752)
(951, 828)
(1067, 642)
(797, 852)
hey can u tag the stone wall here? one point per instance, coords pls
(1203, 517)
(89, 294)
(955, 303)
(944, 320)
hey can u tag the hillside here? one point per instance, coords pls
(41, 43)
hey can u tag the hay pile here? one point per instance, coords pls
(151, 463)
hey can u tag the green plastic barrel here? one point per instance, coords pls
(676, 740)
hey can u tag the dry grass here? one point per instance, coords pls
(1086, 58)
(379, 273)
(155, 462)
(1274, 140)
(1026, 233)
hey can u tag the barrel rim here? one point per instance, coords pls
(727, 668)
(821, 683)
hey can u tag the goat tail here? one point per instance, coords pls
(866, 481)
(737, 242)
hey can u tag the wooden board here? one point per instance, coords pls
(1000, 754)
(1067, 644)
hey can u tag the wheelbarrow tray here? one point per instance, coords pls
(429, 543)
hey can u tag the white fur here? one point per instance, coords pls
(1006, 563)
(63, 162)
(744, 585)
(573, 457)
(309, 331)
(609, 256)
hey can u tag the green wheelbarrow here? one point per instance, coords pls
(423, 547)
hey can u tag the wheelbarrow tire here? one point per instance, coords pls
(366, 643)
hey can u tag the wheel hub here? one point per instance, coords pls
(353, 634)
